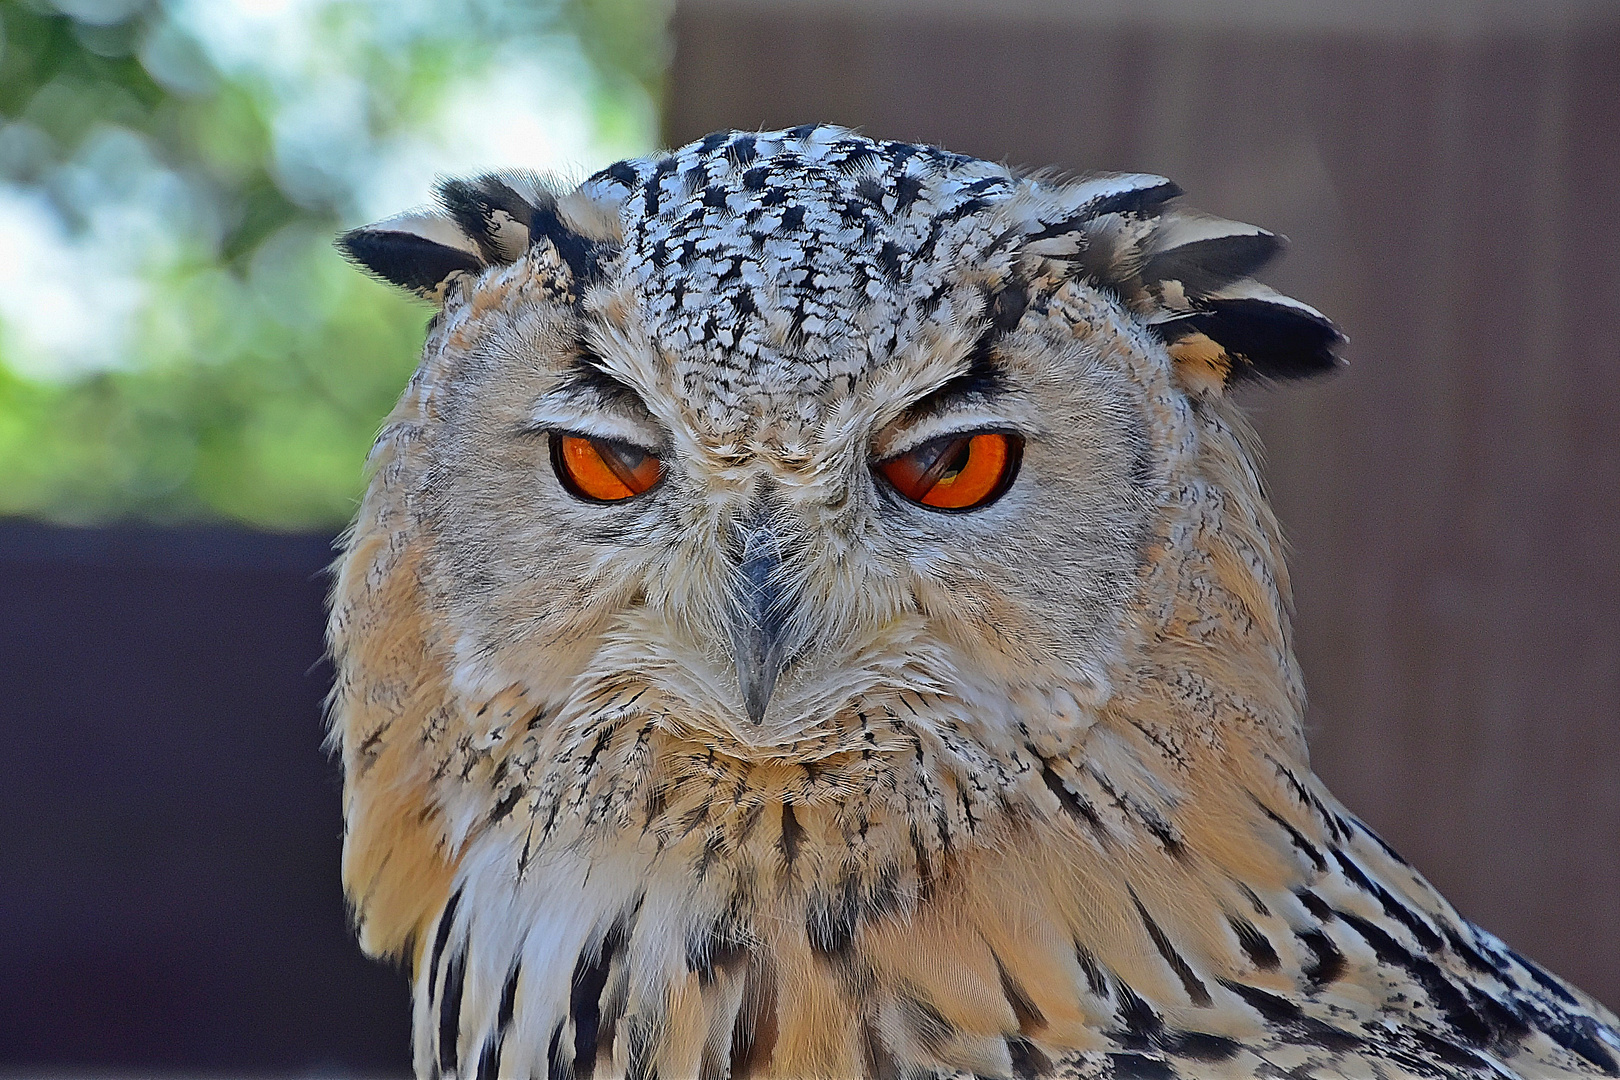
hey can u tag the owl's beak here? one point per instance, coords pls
(759, 620)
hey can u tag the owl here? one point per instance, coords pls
(815, 613)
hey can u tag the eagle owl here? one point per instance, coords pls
(816, 614)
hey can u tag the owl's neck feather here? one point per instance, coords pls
(774, 923)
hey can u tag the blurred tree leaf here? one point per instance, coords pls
(257, 365)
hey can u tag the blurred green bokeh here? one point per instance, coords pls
(178, 338)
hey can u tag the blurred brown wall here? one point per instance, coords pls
(169, 823)
(1450, 177)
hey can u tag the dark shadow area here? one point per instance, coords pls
(172, 826)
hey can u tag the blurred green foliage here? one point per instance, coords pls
(252, 369)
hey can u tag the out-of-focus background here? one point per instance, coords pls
(190, 377)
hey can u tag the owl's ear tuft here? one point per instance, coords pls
(1193, 254)
(1188, 275)
(582, 256)
(507, 213)
(421, 252)
(1248, 333)
(496, 211)
(1223, 327)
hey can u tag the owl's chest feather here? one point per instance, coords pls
(858, 920)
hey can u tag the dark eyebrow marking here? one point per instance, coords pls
(982, 378)
(586, 377)
(588, 372)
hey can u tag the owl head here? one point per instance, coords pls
(799, 447)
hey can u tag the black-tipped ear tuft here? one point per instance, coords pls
(1129, 193)
(1204, 265)
(1267, 337)
(496, 211)
(1188, 275)
(408, 259)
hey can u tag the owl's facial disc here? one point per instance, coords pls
(763, 525)
(954, 473)
(786, 554)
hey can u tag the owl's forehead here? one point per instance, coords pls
(784, 266)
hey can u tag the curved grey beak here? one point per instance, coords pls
(759, 621)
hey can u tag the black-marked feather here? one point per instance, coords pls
(407, 259)
(495, 211)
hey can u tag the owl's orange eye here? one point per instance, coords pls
(601, 470)
(957, 472)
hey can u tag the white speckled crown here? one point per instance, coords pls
(802, 257)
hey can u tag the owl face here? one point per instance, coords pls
(769, 428)
(800, 390)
